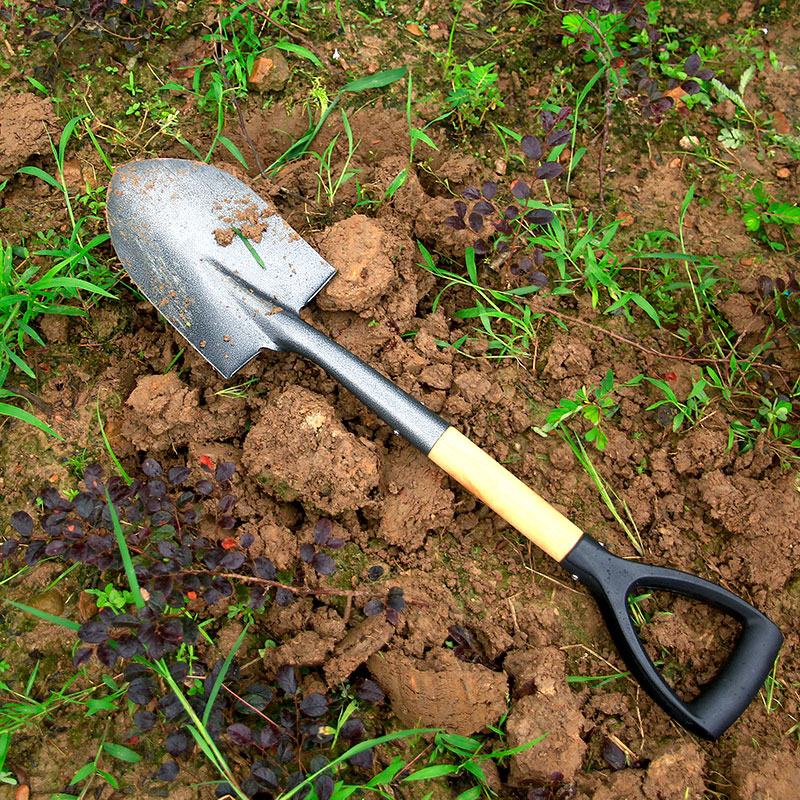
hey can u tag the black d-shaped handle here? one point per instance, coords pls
(612, 579)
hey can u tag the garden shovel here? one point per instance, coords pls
(231, 277)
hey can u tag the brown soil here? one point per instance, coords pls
(306, 448)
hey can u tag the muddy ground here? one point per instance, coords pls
(305, 449)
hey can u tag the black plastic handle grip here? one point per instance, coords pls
(612, 579)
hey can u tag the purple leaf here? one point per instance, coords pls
(264, 569)
(471, 193)
(705, 75)
(460, 207)
(226, 503)
(92, 476)
(662, 105)
(375, 572)
(692, 64)
(168, 771)
(225, 471)
(232, 560)
(287, 678)
(324, 787)
(456, 223)
(82, 656)
(373, 608)
(369, 691)
(549, 170)
(151, 468)
(481, 248)
(532, 147)
(284, 597)
(558, 136)
(766, 287)
(177, 744)
(475, 221)
(691, 87)
(307, 552)
(547, 119)
(520, 189)
(240, 734)
(107, 654)
(205, 487)
(483, 207)
(489, 189)
(334, 543)
(537, 279)
(177, 475)
(268, 737)
(93, 632)
(563, 113)
(363, 759)
(22, 524)
(540, 216)
(512, 212)
(247, 540)
(314, 705)
(323, 564)
(353, 730)
(144, 720)
(322, 531)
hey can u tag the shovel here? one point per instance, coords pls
(231, 276)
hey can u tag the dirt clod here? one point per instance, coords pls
(358, 248)
(25, 120)
(440, 691)
(561, 750)
(299, 449)
(415, 500)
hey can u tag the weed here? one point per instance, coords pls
(474, 93)
(594, 404)
(328, 181)
(689, 410)
(771, 221)
(505, 320)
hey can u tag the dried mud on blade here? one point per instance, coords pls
(168, 219)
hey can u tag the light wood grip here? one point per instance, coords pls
(518, 505)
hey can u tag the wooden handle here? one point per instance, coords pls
(518, 505)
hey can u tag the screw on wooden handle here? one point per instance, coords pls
(508, 496)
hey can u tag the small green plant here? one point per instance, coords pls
(111, 597)
(5, 776)
(771, 221)
(594, 403)
(474, 93)
(503, 317)
(689, 410)
(329, 181)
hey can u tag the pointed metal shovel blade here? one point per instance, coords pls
(173, 223)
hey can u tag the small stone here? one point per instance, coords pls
(689, 142)
(50, 602)
(783, 173)
(675, 163)
(500, 166)
(270, 72)
(415, 29)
